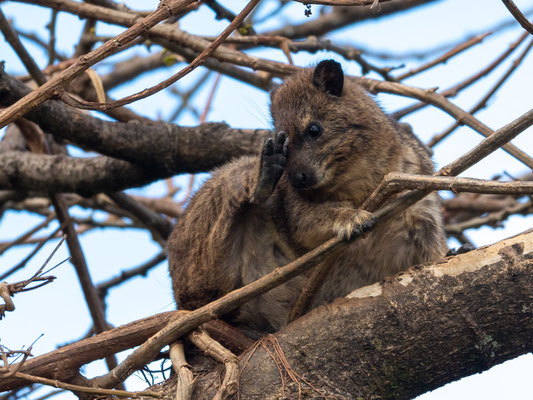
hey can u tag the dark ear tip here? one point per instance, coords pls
(328, 76)
(329, 64)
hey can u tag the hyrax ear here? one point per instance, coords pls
(329, 77)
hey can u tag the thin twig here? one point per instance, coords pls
(491, 219)
(169, 81)
(85, 389)
(445, 57)
(12, 38)
(482, 103)
(454, 90)
(22, 238)
(517, 14)
(188, 95)
(142, 270)
(148, 217)
(439, 101)
(26, 259)
(52, 41)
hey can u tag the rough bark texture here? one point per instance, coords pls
(43, 173)
(407, 335)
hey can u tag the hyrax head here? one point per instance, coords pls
(337, 134)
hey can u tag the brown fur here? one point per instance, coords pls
(225, 240)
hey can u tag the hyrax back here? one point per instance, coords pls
(334, 145)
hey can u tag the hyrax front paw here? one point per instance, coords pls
(351, 223)
(272, 163)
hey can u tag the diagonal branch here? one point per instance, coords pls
(439, 101)
(167, 82)
(483, 101)
(56, 85)
(517, 14)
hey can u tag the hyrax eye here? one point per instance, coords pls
(313, 131)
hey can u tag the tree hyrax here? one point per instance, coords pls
(333, 147)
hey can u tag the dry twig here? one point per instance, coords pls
(517, 14)
(56, 85)
(85, 389)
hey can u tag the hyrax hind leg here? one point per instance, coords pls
(272, 164)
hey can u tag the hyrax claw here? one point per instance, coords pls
(352, 223)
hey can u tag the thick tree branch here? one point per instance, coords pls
(85, 176)
(411, 333)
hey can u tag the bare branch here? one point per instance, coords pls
(149, 218)
(517, 14)
(167, 82)
(185, 381)
(445, 57)
(57, 83)
(396, 182)
(12, 38)
(142, 270)
(452, 91)
(491, 219)
(211, 347)
(482, 103)
(84, 389)
(26, 235)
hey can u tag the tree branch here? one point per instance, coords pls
(412, 332)
(517, 14)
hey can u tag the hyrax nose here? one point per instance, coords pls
(302, 179)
